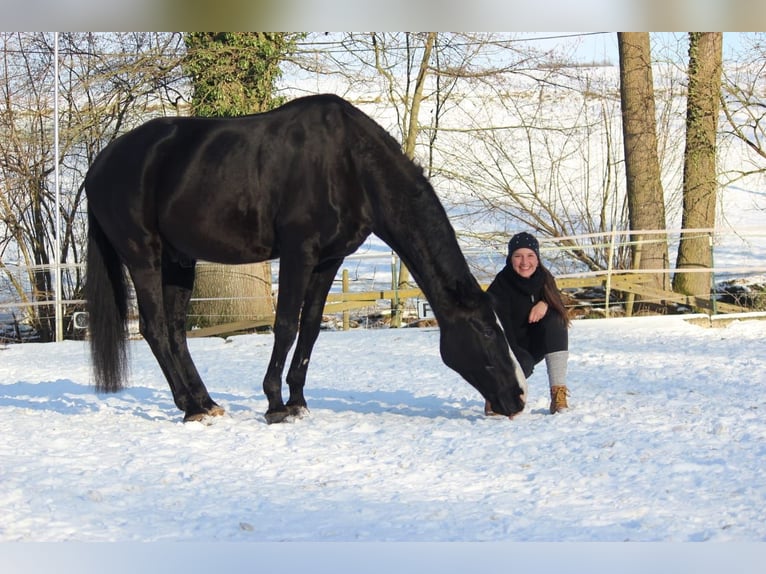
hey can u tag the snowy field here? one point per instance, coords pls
(665, 442)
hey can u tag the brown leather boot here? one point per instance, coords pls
(559, 399)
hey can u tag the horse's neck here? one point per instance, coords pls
(430, 251)
(411, 219)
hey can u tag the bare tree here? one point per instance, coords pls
(700, 187)
(411, 128)
(744, 107)
(406, 72)
(24, 153)
(108, 83)
(549, 167)
(646, 202)
(488, 105)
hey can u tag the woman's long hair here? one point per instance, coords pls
(552, 295)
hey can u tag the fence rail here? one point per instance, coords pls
(738, 253)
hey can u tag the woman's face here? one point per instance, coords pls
(524, 262)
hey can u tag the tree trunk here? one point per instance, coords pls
(403, 276)
(646, 202)
(233, 73)
(700, 184)
(230, 293)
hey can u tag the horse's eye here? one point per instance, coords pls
(489, 333)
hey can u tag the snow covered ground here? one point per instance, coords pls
(665, 442)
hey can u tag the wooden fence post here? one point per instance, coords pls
(609, 270)
(631, 298)
(346, 325)
(396, 310)
(713, 297)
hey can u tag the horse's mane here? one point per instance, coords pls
(395, 170)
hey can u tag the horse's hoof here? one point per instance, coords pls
(276, 417)
(216, 411)
(297, 411)
(194, 417)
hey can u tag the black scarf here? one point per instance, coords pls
(532, 285)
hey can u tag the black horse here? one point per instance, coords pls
(306, 183)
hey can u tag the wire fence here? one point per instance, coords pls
(737, 269)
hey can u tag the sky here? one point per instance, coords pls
(600, 47)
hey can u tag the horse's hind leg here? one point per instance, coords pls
(147, 281)
(177, 286)
(311, 320)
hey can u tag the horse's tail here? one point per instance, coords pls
(107, 304)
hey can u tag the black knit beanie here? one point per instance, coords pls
(523, 239)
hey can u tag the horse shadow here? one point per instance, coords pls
(62, 396)
(67, 397)
(400, 402)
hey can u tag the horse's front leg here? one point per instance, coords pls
(311, 320)
(293, 281)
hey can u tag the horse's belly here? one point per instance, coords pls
(222, 244)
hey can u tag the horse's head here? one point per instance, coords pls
(473, 344)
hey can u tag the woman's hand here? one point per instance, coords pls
(538, 311)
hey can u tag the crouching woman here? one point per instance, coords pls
(529, 306)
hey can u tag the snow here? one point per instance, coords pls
(665, 442)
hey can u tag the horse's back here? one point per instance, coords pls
(200, 144)
(320, 126)
(223, 189)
